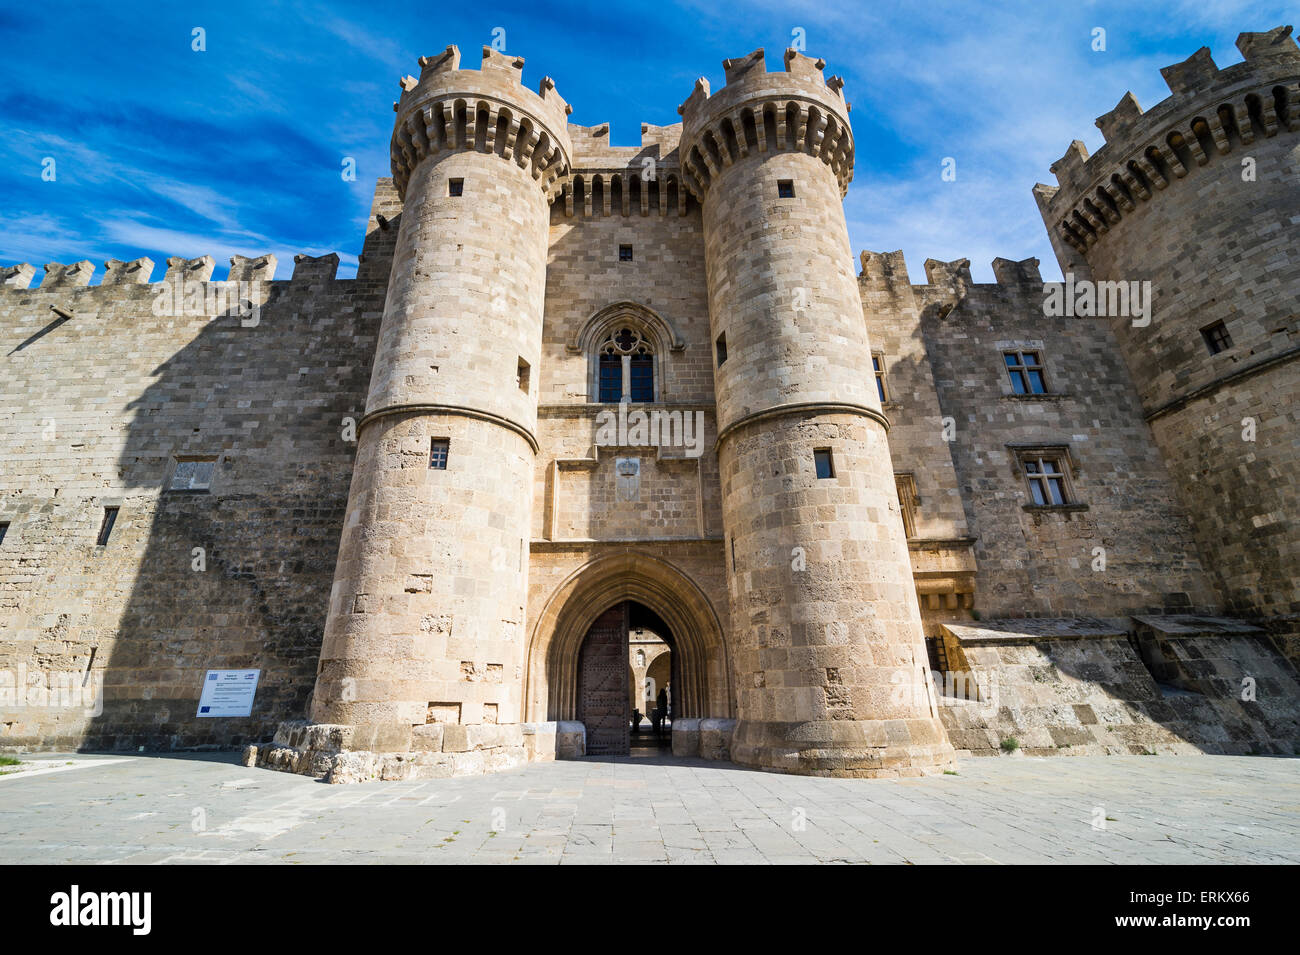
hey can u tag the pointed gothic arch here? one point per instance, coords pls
(551, 670)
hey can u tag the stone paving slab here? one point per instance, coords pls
(208, 810)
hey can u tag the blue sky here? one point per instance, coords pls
(160, 150)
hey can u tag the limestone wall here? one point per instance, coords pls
(1043, 561)
(96, 409)
(1193, 196)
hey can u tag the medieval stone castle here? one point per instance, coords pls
(577, 392)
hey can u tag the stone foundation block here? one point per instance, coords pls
(538, 741)
(570, 740)
(686, 737)
(715, 738)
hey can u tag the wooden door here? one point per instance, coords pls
(603, 684)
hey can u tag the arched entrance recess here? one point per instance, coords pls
(551, 681)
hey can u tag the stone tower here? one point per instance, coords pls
(1198, 196)
(826, 634)
(426, 615)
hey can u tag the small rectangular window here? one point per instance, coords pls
(722, 349)
(455, 187)
(785, 188)
(1216, 337)
(1026, 371)
(193, 475)
(106, 528)
(824, 462)
(625, 253)
(524, 376)
(1046, 478)
(4, 529)
(878, 366)
(438, 448)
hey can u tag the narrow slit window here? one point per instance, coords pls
(1216, 337)
(438, 448)
(878, 367)
(455, 187)
(722, 349)
(1026, 371)
(625, 253)
(824, 463)
(524, 376)
(4, 529)
(785, 188)
(106, 527)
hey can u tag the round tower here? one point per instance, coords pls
(1198, 197)
(826, 632)
(426, 617)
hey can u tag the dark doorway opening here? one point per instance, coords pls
(627, 669)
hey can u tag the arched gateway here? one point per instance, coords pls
(588, 599)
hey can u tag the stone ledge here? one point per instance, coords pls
(1194, 625)
(1035, 629)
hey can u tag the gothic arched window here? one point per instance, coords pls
(626, 367)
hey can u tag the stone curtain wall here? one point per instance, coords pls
(94, 413)
(1039, 561)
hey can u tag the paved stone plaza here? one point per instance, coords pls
(209, 809)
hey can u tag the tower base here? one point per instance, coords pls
(848, 748)
(341, 753)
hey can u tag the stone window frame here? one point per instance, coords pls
(909, 499)
(110, 512)
(660, 335)
(634, 350)
(439, 453)
(1217, 338)
(1004, 375)
(1067, 468)
(179, 459)
(1023, 370)
(827, 454)
(880, 370)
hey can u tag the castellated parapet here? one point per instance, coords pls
(827, 639)
(487, 110)
(1196, 196)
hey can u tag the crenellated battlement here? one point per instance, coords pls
(60, 276)
(888, 270)
(488, 110)
(795, 109)
(624, 180)
(1210, 112)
